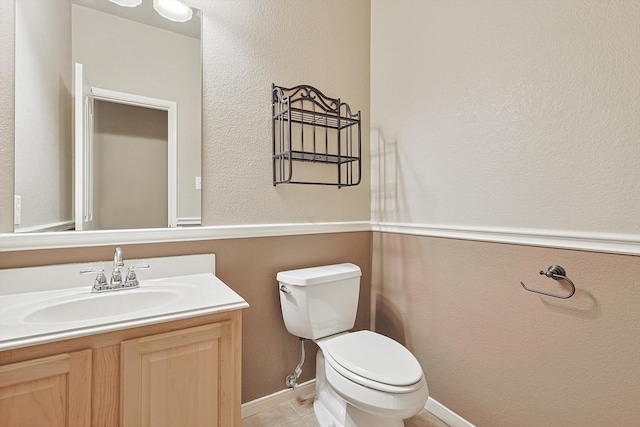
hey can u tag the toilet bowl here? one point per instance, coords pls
(363, 379)
(379, 377)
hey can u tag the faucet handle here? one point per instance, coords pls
(131, 281)
(100, 283)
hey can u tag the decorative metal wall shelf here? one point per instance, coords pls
(309, 127)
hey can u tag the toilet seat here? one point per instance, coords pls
(374, 361)
(392, 406)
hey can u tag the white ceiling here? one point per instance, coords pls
(145, 14)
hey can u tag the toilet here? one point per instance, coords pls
(363, 379)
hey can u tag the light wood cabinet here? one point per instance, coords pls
(50, 391)
(179, 373)
(179, 378)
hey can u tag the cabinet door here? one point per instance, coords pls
(180, 378)
(52, 391)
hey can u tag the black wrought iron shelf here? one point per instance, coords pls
(318, 119)
(309, 127)
(305, 156)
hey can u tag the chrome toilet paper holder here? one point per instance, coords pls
(554, 272)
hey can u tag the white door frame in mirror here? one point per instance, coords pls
(171, 107)
(83, 141)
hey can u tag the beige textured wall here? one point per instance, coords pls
(500, 356)
(249, 266)
(519, 115)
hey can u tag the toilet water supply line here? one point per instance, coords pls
(292, 379)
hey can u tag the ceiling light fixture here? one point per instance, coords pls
(174, 10)
(127, 3)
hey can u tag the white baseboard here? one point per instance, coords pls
(446, 414)
(273, 400)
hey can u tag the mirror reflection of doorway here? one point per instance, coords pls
(130, 150)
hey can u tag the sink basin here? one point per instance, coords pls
(95, 306)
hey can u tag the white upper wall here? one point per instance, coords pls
(43, 112)
(248, 45)
(514, 114)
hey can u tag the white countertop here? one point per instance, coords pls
(189, 295)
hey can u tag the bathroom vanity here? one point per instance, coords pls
(174, 362)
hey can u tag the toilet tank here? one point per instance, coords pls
(319, 301)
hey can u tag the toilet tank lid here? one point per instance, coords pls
(316, 275)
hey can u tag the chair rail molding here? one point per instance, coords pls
(626, 244)
(71, 239)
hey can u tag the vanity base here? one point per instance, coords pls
(130, 377)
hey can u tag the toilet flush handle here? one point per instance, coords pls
(284, 289)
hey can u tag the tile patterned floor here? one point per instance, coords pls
(299, 413)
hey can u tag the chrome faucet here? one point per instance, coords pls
(100, 284)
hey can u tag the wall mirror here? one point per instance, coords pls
(107, 116)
